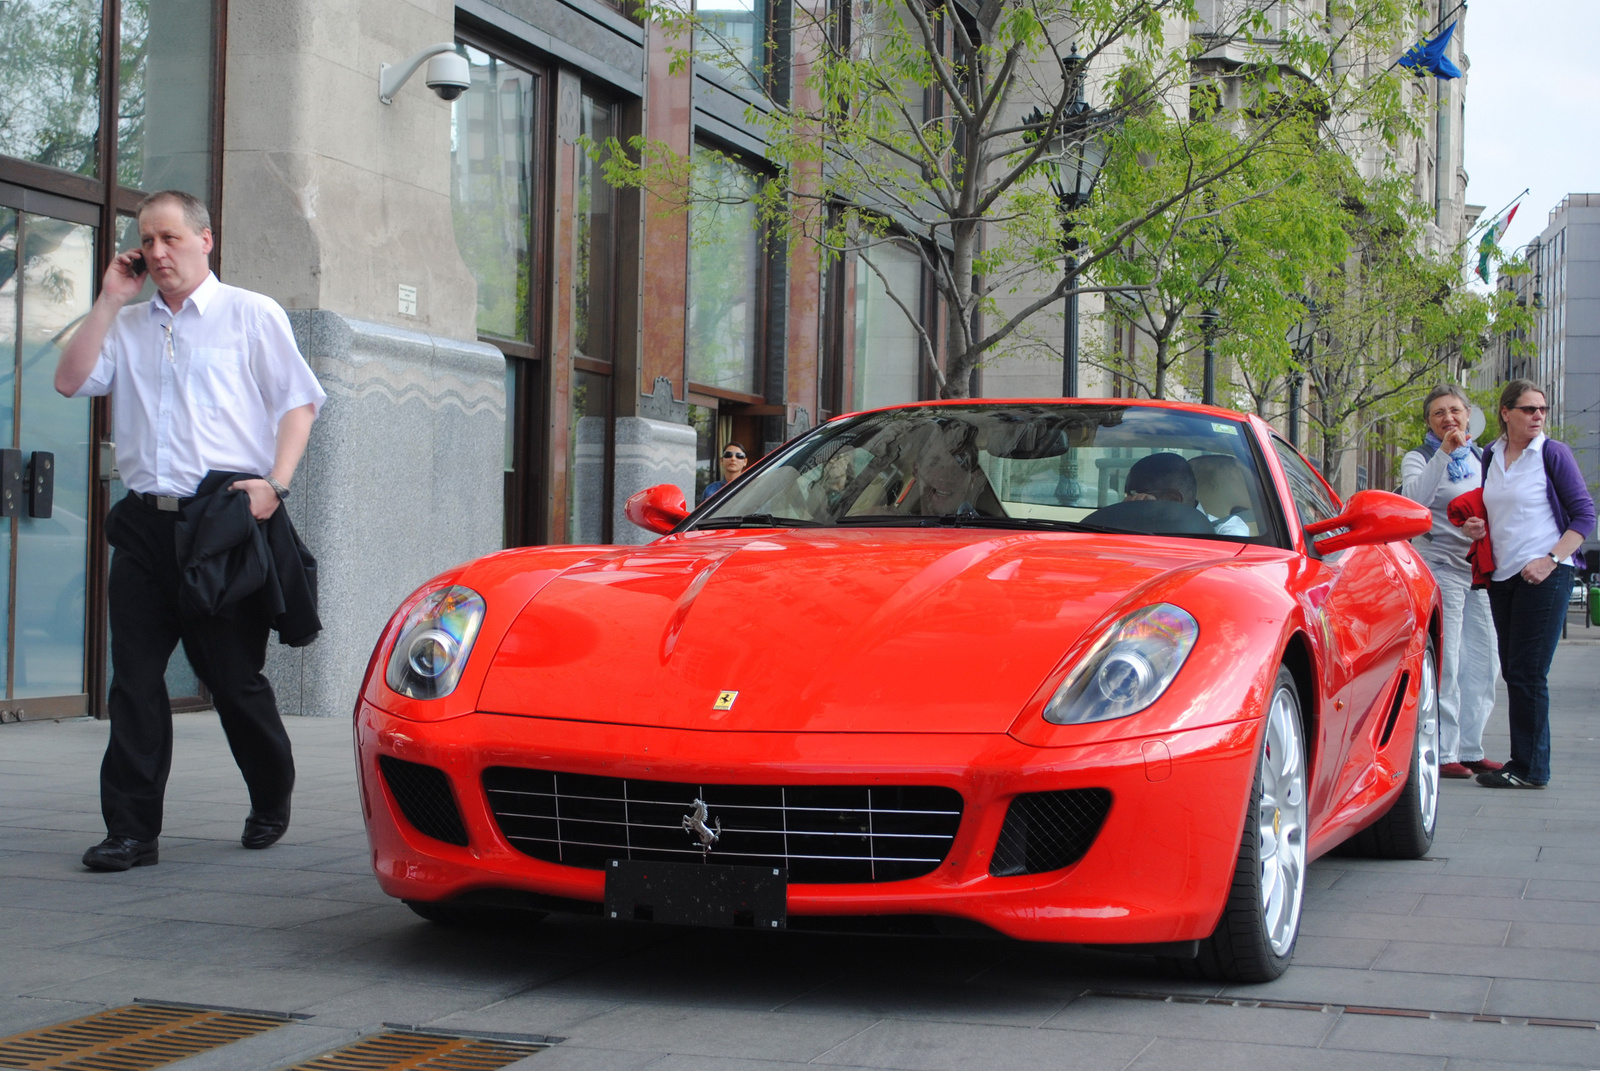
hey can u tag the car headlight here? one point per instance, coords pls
(432, 647)
(1127, 669)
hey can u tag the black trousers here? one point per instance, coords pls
(227, 653)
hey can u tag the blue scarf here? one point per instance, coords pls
(1458, 467)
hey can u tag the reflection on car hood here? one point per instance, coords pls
(836, 630)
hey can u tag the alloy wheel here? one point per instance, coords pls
(1281, 822)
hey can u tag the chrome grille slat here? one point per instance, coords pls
(823, 834)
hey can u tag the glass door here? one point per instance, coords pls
(46, 286)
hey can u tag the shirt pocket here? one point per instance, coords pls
(215, 375)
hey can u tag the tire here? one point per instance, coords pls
(474, 917)
(1405, 830)
(1255, 937)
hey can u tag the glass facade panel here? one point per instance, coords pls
(50, 83)
(586, 458)
(703, 419)
(595, 241)
(57, 278)
(887, 347)
(725, 278)
(732, 39)
(10, 290)
(166, 72)
(492, 169)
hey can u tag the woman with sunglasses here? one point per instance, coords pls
(734, 460)
(1538, 513)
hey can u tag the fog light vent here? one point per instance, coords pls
(1046, 831)
(424, 796)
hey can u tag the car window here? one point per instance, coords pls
(1145, 468)
(1311, 498)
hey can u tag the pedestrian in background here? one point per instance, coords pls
(734, 460)
(1538, 513)
(1447, 465)
(208, 387)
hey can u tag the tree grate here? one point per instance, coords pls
(416, 1051)
(132, 1038)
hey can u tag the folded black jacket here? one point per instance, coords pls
(226, 556)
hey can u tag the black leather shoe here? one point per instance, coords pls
(121, 853)
(262, 832)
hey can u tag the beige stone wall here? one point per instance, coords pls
(332, 199)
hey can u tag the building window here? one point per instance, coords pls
(492, 175)
(888, 350)
(594, 244)
(587, 442)
(727, 278)
(732, 40)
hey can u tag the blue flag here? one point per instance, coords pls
(1430, 56)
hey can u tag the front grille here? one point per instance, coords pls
(1049, 830)
(424, 796)
(830, 834)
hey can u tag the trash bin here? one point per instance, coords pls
(1594, 604)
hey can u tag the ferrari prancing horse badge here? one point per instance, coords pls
(724, 700)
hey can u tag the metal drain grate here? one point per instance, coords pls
(132, 1038)
(415, 1051)
(1348, 1009)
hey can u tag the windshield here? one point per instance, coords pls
(1032, 465)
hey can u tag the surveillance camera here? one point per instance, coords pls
(448, 75)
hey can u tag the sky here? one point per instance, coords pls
(1532, 106)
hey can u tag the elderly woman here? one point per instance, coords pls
(1444, 466)
(1538, 513)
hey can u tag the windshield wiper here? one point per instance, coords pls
(970, 520)
(756, 520)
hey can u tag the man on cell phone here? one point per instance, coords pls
(204, 378)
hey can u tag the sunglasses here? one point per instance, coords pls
(1531, 410)
(730, 453)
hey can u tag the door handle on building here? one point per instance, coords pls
(41, 483)
(13, 483)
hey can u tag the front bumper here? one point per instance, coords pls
(1159, 870)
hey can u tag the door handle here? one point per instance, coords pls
(12, 483)
(41, 483)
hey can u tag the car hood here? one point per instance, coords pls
(833, 630)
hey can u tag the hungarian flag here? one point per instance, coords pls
(1489, 244)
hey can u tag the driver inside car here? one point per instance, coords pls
(1168, 478)
(946, 479)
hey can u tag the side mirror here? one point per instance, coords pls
(1371, 517)
(658, 509)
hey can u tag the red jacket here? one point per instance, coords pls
(1482, 553)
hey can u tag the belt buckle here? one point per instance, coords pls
(167, 502)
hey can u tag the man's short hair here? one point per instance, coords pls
(195, 213)
(1160, 473)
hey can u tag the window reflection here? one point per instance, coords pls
(732, 39)
(595, 218)
(725, 276)
(50, 82)
(586, 452)
(887, 346)
(165, 72)
(491, 188)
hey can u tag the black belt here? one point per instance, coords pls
(166, 503)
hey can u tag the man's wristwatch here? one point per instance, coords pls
(1552, 557)
(282, 490)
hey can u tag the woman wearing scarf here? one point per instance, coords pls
(1445, 466)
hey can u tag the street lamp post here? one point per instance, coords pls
(1208, 330)
(1078, 153)
(1302, 338)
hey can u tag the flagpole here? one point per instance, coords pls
(1487, 220)
(1427, 34)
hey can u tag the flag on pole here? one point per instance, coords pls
(1489, 244)
(1429, 57)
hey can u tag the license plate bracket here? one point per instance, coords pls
(698, 894)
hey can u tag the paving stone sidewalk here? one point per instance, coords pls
(1501, 922)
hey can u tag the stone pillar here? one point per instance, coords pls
(402, 480)
(649, 452)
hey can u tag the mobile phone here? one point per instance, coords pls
(137, 265)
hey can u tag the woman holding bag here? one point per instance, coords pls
(1444, 467)
(1539, 512)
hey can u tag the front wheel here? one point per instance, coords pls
(1254, 940)
(1405, 830)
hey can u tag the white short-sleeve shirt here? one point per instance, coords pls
(201, 388)
(1518, 503)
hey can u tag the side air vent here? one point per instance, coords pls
(424, 796)
(1046, 831)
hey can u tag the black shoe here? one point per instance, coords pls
(121, 853)
(1504, 778)
(262, 832)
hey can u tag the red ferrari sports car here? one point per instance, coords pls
(1102, 672)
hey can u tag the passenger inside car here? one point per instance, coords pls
(1167, 477)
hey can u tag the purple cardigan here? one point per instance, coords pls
(1570, 502)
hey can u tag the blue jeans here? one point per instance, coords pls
(1527, 621)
